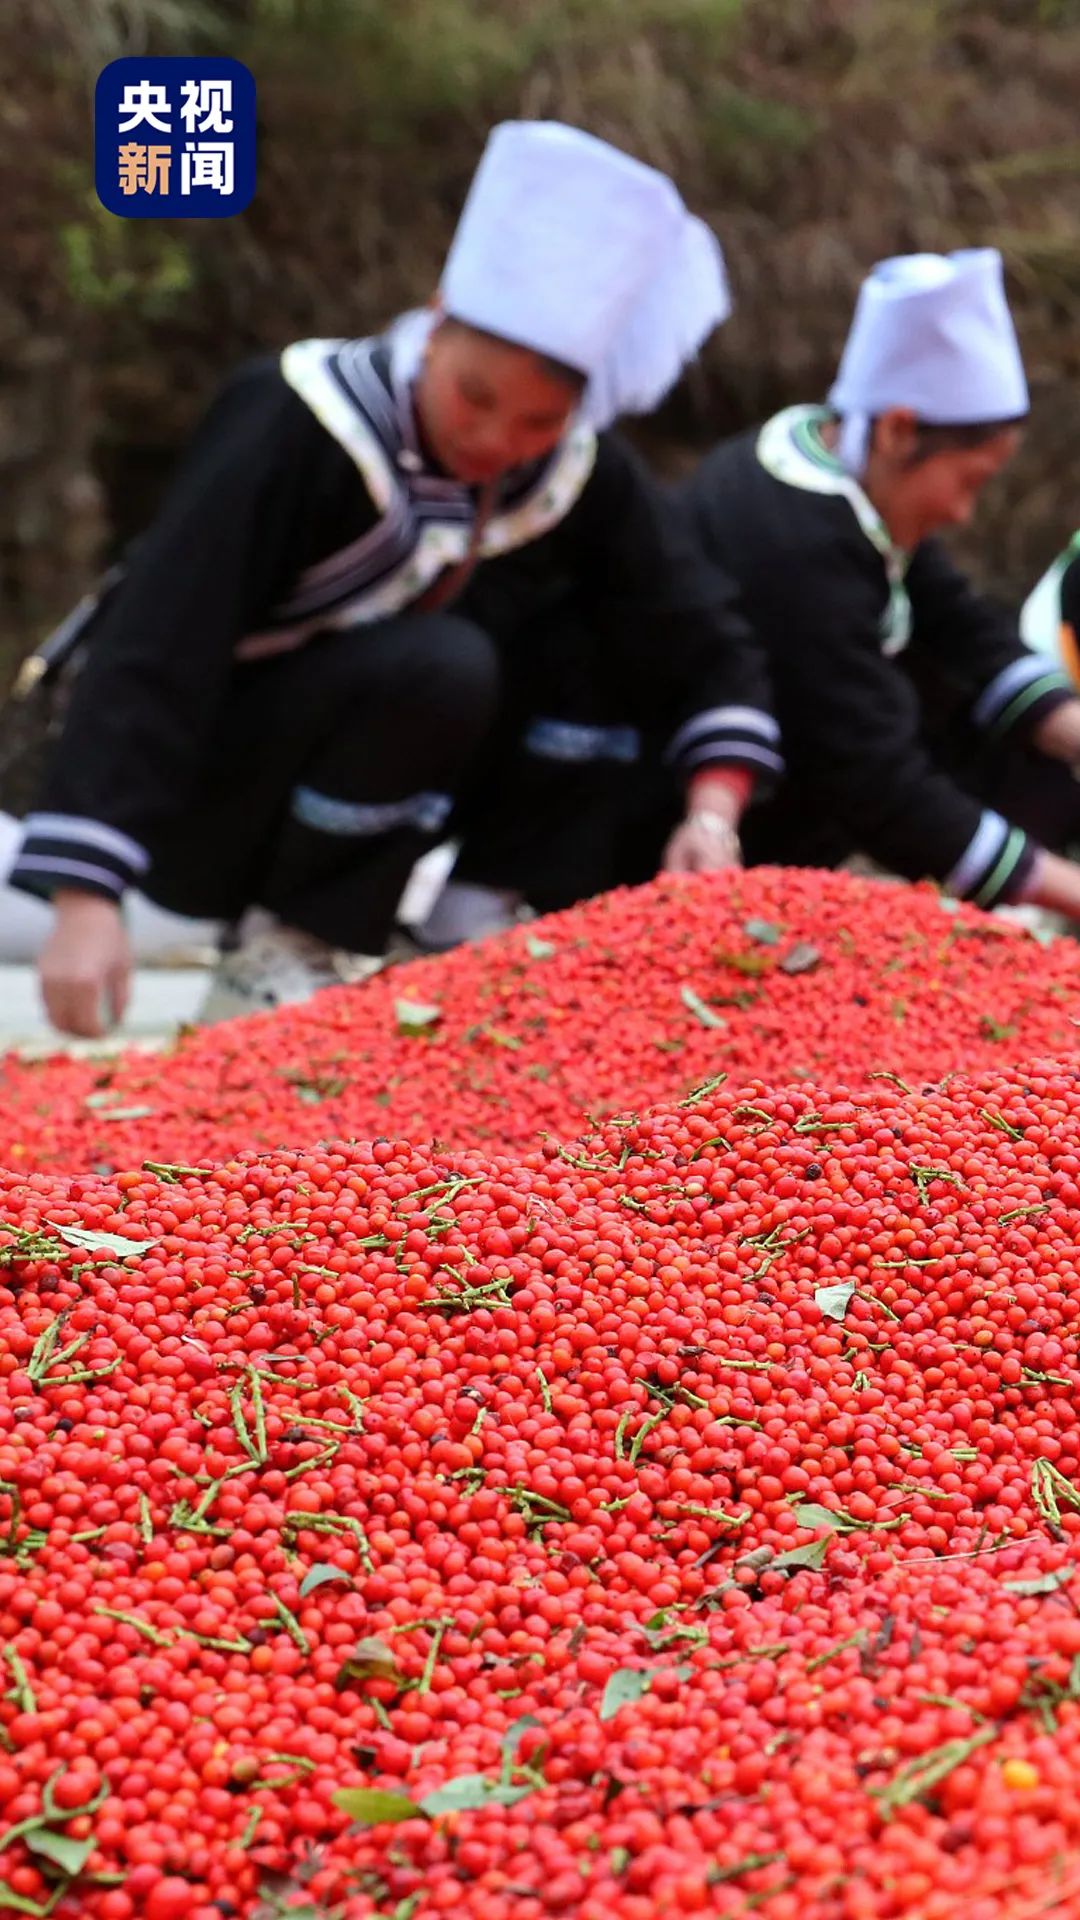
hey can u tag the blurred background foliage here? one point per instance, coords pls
(817, 135)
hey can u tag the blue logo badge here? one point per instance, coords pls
(174, 138)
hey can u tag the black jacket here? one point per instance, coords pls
(306, 501)
(834, 606)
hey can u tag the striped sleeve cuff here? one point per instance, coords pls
(64, 850)
(995, 865)
(1021, 693)
(729, 737)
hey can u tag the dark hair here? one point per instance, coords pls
(930, 440)
(573, 377)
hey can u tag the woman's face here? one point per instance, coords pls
(919, 495)
(485, 406)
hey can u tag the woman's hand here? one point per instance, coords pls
(86, 964)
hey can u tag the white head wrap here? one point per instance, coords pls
(574, 249)
(931, 332)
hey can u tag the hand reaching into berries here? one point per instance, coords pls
(1055, 884)
(702, 843)
(85, 967)
(1058, 733)
(707, 840)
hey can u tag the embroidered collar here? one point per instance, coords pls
(424, 524)
(791, 446)
(405, 341)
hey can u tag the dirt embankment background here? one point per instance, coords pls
(817, 135)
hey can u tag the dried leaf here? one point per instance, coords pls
(512, 1739)
(69, 1855)
(624, 1687)
(762, 931)
(11, 1902)
(500, 1038)
(471, 1790)
(373, 1808)
(92, 1241)
(812, 1555)
(750, 964)
(833, 1301)
(321, 1576)
(696, 1005)
(1042, 1583)
(810, 1515)
(803, 958)
(412, 1017)
(370, 1659)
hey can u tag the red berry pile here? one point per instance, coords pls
(685, 1518)
(629, 999)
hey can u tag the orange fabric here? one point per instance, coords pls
(1070, 652)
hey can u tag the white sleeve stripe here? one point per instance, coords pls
(68, 870)
(732, 751)
(1017, 675)
(980, 854)
(90, 833)
(726, 719)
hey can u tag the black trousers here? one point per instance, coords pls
(331, 769)
(570, 795)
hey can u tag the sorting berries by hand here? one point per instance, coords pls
(679, 1515)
